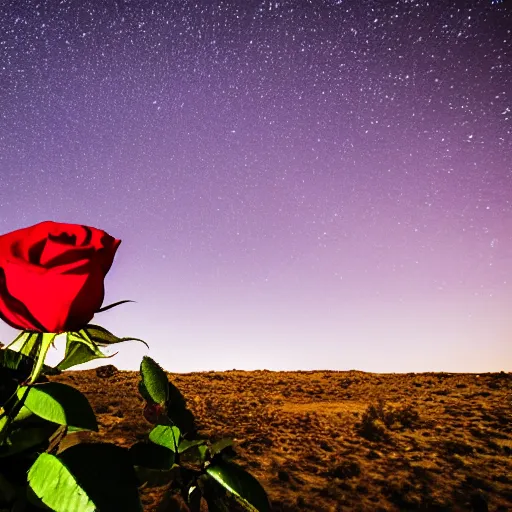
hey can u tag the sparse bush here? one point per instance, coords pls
(378, 418)
(372, 426)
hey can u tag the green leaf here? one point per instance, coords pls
(84, 345)
(23, 414)
(86, 477)
(169, 437)
(106, 472)
(241, 484)
(194, 452)
(60, 404)
(56, 486)
(79, 350)
(12, 360)
(25, 438)
(185, 445)
(34, 345)
(4, 423)
(152, 456)
(102, 337)
(75, 429)
(144, 392)
(154, 380)
(14, 367)
(220, 445)
(24, 342)
(203, 451)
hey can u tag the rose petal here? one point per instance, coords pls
(14, 312)
(58, 301)
(56, 253)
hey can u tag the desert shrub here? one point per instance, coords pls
(379, 417)
(371, 426)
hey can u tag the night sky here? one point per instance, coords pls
(297, 185)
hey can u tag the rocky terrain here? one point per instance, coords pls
(329, 441)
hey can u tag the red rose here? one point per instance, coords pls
(51, 275)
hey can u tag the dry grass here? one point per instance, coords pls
(331, 441)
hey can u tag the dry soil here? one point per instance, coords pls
(328, 441)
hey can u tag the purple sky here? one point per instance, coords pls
(297, 185)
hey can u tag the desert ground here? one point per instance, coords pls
(327, 441)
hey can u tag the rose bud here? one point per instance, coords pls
(51, 275)
(152, 412)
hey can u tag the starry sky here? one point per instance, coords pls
(302, 184)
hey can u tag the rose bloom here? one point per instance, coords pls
(51, 275)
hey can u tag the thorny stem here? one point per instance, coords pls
(4, 429)
(13, 413)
